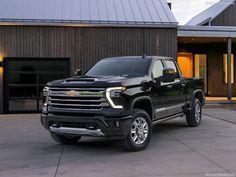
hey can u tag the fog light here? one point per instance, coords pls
(117, 124)
(45, 108)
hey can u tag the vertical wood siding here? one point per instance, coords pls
(84, 46)
(226, 18)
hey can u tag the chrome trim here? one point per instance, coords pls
(78, 105)
(160, 110)
(169, 108)
(98, 94)
(80, 89)
(78, 100)
(76, 131)
(74, 109)
(83, 99)
(139, 130)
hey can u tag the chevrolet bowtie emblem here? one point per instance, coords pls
(72, 93)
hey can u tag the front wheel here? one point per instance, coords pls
(140, 131)
(62, 139)
(194, 116)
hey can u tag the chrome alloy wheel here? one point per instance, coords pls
(197, 112)
(139, 130)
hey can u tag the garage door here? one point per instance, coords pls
(24, 79)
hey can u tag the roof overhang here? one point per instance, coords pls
(79, 23)
(207, 31)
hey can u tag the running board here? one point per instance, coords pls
(167, 118)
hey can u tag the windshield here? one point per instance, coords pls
(128, 67)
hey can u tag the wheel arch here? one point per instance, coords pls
(200, 95)
(144, 103)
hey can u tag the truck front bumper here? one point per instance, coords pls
(98, 126)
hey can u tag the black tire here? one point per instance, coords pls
(62, 139)
(144, 131)
(194, 116)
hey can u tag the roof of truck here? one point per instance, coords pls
(142, 57)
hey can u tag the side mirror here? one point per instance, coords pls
(78, 72)
(169, 75)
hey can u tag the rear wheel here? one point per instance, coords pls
(140, 131)
(62, 139)
(194, 116)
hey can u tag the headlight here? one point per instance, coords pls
(112, 93)
(45, 95)
(46, 92)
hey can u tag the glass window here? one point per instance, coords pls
(22, 65)
(52, 65)
(200, 67)
(26, 79)
(120, 67)
(22, 105)
(45, 78)
(22, 78)
(23, 91)
(157, 70)
(225, 69)
(170, 64)
(185, 61)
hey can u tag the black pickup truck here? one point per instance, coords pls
(121, 98)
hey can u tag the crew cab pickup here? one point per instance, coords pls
(121, 98)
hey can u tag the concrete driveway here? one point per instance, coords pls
(26, 150)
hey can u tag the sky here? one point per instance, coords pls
(184, 10)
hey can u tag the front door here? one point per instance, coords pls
(169, 98)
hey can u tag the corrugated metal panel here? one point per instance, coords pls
(87, 11)
(209, 14)
(206, 31)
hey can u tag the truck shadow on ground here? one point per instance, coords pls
(104, 144)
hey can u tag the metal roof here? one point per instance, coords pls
(87, 12)
(207, 31)
(212, 12)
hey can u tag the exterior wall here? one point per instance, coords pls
(214, 51)
(1, 90)
(226, 18)
(83, 45)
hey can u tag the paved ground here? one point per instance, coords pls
(26, 150)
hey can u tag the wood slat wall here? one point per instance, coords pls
(83, 45)
(226, 18)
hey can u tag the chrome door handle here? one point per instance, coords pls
(169, 86)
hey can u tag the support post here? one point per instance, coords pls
(229, 44)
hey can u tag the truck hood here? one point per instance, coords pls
(103, 82)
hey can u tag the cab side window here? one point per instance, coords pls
(157, 70)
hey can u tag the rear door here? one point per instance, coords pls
(176, 95)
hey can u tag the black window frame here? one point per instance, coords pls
(7, 86)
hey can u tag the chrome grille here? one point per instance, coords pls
(77, 99)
